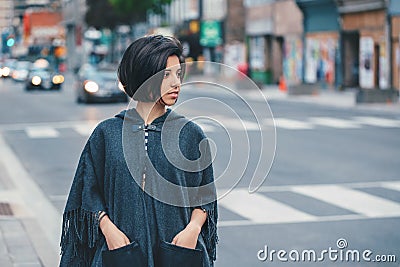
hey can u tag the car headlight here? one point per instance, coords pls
(6, 71)
(36, 80)
(58, 79)
(91, 87)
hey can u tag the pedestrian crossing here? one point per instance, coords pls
(53, 130)
(260, 208)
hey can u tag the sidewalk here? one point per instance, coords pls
(325, 97)
(29, 226)
(331, 98)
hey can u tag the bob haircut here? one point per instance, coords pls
(144, 58)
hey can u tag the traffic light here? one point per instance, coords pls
(10, 41)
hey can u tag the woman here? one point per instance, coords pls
(124, 195)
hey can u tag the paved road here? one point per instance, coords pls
(335, 174)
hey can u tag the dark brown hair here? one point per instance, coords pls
(144, 58)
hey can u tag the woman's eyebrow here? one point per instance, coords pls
(171, 69)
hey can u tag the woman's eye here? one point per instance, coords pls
(166, 75)
(179, 74)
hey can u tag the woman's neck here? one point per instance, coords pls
(150, 111)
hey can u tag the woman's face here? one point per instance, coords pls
(171, 84)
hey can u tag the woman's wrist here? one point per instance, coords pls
(194, 226)
(104, 223)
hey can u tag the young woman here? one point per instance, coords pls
(144, 182)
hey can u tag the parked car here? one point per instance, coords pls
(42, 76)
(8, 67)
(98, 84)
(21, 71)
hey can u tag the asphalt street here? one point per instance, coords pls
(331, 197)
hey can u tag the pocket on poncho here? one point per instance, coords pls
(126, 256)
(170, 255)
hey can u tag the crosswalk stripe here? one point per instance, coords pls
(41, 132)
(353, 200)
(260, 209)
(292, 124)
(239, 124)
(84, 129)
(376, 121)
(335, 123)
(206, 127)
(392, 185)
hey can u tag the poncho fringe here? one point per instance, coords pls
(209, 233)
(81, 229)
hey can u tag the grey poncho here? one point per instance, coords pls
(108, 178)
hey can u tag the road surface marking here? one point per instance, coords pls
(206, 127)
(260, 209)
(84, 129)
(58, 124)
(239, 124)
(353, 200)
(292, 124)
(334, 122)
(376, 121)
(41, 132)
(392, 185)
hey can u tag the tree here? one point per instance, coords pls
(101, 14)
(137, 9)
(110, 13)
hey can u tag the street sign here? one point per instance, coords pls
(210, 33)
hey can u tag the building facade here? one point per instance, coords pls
(274, 30)
(321, 41)
(365, 43)
(394, 18)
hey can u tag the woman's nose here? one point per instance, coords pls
(176, 81)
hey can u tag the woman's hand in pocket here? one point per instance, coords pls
(187, 237)
(115, 238)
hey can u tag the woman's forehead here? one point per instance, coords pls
(173, 62)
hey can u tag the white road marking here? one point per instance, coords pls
(376, 121)
(260, 209)
(353, 200)
(84, 129)
(334, 122)
(41, 132)
(292, 124)
(241, 125)
(206, 127)
(59, 124)
(392, 185)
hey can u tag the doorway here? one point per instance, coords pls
(350, 43)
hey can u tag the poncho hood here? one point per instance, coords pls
(132, 116)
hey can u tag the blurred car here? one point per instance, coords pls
(8, 67)
(21, 71)
(98, 84)
(42, 76)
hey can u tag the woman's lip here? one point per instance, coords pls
(173, 95)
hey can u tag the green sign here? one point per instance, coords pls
(210, 33)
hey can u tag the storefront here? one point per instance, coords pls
(274, 40)
(365, 45)
(321, 41)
